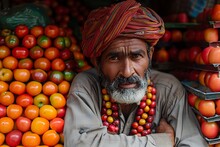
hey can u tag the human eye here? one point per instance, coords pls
(136, 56)
(113, 58)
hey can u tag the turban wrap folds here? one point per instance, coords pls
(127, 18)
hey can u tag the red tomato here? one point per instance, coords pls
(57, 124)
(20, 52)
(25, 63)
(37, 31)
(51, 31)
(36, 52)
(42, 63)
(24, 100)
(23, 124)
(51, 53)
(21, 30)
(31, 139)
(29, 41)
(58, 64)
(210, 129)
(13, 138)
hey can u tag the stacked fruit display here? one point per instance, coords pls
(37, 66)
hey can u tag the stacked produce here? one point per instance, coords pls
(37, 66)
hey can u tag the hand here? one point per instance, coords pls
(164, 127)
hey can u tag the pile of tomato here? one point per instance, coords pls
(37, 66)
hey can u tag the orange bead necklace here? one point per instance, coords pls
(144, 114)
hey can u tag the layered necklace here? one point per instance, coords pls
(144, 114)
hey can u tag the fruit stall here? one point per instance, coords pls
(39, 59)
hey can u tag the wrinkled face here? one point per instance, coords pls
(124, 66)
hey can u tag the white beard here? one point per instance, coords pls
(129, 96)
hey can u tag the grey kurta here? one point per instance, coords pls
(83, 124)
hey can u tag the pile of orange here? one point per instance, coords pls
(35, 78)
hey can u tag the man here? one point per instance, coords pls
(121, 102)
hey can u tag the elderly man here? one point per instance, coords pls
(121, 102)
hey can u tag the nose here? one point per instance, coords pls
(127, 69)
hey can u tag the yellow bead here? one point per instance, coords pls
(109, 112)
(108, 104)
(106, 97)
(146, 109)
(110, 119)
(144, 115)
(148, 101)
(142, 122)
(149, 95)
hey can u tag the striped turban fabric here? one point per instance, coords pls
(127, 18)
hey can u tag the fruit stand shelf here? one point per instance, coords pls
(210, 67)
(215, 24)
(208, 119)
(201, 91)
(213, 141)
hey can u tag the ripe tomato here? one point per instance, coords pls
(29, 41)
(51, 31)
(36, 52)
(13, 138)
(42, 63)
(50, 138)
(31, 139)
(34, 88)
(6, 124)
(4, 51)
(21, 30)
(7, 98)
(40, 125)
(20, 52)
(17, 87)
(10, 62)
(40, 100)
(59, 42)
(24, 100)
(215, 12)
(25, 63)
(1, 66)
(3, 86)
(57, 100)
(6, 74)
(51, 53)
(57, 124)
(23, 124)
(50, 88)
(14, 111)
(64, 87)
(78, 55)
(48, 112)
(44, 41)
(2, 138)
(37, 31)
(31, 112)
(22, 75)
(58, 64)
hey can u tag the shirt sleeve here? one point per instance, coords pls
(177, 112)
(83, 126)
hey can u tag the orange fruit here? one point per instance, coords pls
(51, 53)
(2, 138)
(3, 86)
(30, 139)
(7, 98)
(48, 112)
(50, 138)
(59, 145)
(6, 124)
(14, 111)
(34, 88)
(40, 125)
(10, 62)
(50, 88)
(64, 87)
(31, 112)
(17, 87)
(22, 75)
(57, 100)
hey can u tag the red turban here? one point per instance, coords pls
(127, 18)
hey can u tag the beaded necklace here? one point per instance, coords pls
(144, 114)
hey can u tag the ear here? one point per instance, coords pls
(151, 52)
